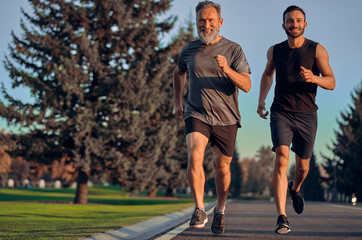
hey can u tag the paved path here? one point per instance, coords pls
(251, 220)
(149, 228)
(257, 219)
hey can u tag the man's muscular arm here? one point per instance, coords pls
(266, 83)
(179, 80)
(240, 80)
(327, 81)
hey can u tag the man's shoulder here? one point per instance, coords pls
(311, 42)
(227, 41)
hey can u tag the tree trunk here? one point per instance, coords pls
(4, 179)
(81, 194)
(153, 192)
(169, 192)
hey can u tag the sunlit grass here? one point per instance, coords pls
(49, 214)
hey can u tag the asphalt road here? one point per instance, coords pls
(257, 219)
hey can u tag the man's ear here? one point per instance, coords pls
(221, 21)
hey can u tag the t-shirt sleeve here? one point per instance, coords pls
(182, 61)
(240, 64)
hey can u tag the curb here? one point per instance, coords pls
(150, 227)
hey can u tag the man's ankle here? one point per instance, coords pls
(218, 211)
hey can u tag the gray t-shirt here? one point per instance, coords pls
(212, 97)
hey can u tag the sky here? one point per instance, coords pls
(256, 25)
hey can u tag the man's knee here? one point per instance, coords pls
(222, 164)
(303, 165)
(196, 156)
(222, 169)
(282, 158)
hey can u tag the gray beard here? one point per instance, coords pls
(209, 38)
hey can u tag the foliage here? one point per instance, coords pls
(236, 176)
(265, 156)
(345, 167)
(167, 135)
(101, 85)
(257, 172)
(254, 184)
(312, 188)
(7, 144)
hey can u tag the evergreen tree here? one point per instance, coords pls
(168, 133)
(312, 188)
(236, 178)
(172, 171)
(93, 68)
(334, 178)
(209, 171)
(347, 149)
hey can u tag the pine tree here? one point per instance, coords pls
(168, 133)
(93, 68)
(176, 157)
(312, 188)
(334, 178)
(347, 149)
(236, 177)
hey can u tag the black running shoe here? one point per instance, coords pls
(198, 219)
(297, 199)
(282, 225)
(218, 224)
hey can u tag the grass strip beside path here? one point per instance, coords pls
(36, 218)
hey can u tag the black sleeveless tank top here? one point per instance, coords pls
(292, 93)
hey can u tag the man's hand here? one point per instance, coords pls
(178, 111)
(222, 63)
(306, 74)
(261, 110)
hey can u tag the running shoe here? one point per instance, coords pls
(282, 225)
(218, 224)
(198, 219)
(297, 198)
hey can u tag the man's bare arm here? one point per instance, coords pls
(240, 80)
(266, 83)
(327, 81)
(179, 80)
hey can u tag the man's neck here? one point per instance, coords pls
(296, 42)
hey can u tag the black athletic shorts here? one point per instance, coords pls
(223, 137)
(297, 128)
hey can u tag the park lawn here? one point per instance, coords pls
(49, 214)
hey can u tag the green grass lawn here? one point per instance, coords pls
(49, 214)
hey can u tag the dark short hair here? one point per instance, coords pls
(208, 4)
(293, 8)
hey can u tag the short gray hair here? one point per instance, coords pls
(208, 4)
